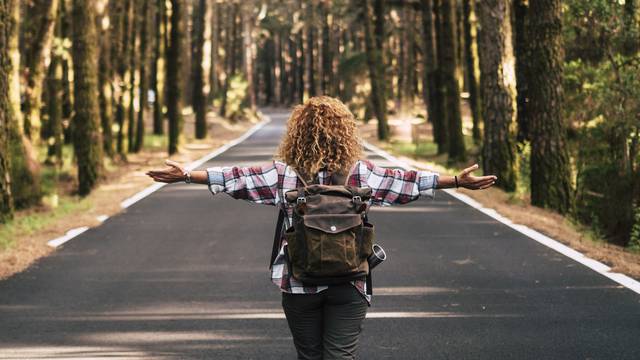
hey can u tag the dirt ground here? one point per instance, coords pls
(545, 221)
(121, 181)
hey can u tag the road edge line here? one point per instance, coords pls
(55, 243)
(545, 240)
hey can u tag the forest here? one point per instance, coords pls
(544, 94)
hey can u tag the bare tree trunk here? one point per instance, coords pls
(197, 72)
(40, 45)
(144, 81)
(429, 83)
(105, 74)
(520, 50)
(174, 85)
(6, 108)
(441, 132)
(86, 129)
(214, 80)
(120, 57)
(470, 64)
(23, 166)
(249, 70)
(133, 64)
(550, 166)
(498, 91)
(448, 64)
(375, 62)
(158, 50)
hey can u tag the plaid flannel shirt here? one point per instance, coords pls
(268, 183)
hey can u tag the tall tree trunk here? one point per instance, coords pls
(197, 72)
(86, 129)
(375, 63)
(441, 132)
(230, 54)
(133, 64)
(327, 51)
(310, 40)
(6, 108)
(498, 91)
(550, 167)
(429, 82)
(40, 45)
(300, 65)
(105, 74)
(214, 80)
(470, 64)
(520, 50)
(54, 110)
(174, 85)
(448, 65)
(144, 81)
(158, 49)
(120, 57)
(23, 165)
(247, 39)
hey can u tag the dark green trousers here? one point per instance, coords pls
(326, 325)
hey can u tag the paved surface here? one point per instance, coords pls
(183, 275)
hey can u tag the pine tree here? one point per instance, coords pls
(6, 109)
(550, 167)
(448, 64)
(174, 66)
(197, 72)
(498, 91)
(87, 140)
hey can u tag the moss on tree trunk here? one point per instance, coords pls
(87, 140)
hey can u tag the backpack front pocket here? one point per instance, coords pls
(331, 241)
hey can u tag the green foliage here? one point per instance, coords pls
(634, 240)
(603, 102)
(237, 108)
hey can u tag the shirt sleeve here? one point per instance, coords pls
(391, 186)
(257, 184)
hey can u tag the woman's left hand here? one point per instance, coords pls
(174, 173)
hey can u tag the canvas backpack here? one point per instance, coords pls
(330, 238)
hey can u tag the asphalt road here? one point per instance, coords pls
(183, 275)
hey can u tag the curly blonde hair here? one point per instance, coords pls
(321, 134)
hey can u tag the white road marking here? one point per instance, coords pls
(594, 265)
(102, 218)
(66, 237)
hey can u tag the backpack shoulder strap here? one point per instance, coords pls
(277, 236)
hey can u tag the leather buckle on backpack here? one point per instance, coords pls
(357, 198)
(301, 200)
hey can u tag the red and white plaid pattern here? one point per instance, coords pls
(268, 183)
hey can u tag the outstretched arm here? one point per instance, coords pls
(397, 186)
(466, 180)
(258, 184)
(175, 172)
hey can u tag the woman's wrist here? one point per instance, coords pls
(446, 181)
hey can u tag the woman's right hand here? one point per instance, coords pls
(173, 173)
(466, 180)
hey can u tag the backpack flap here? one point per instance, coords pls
(332, 223)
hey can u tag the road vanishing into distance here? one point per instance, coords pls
(182, 274)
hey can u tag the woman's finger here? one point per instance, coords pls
(468, 170)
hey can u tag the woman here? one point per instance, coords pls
(321, 139)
